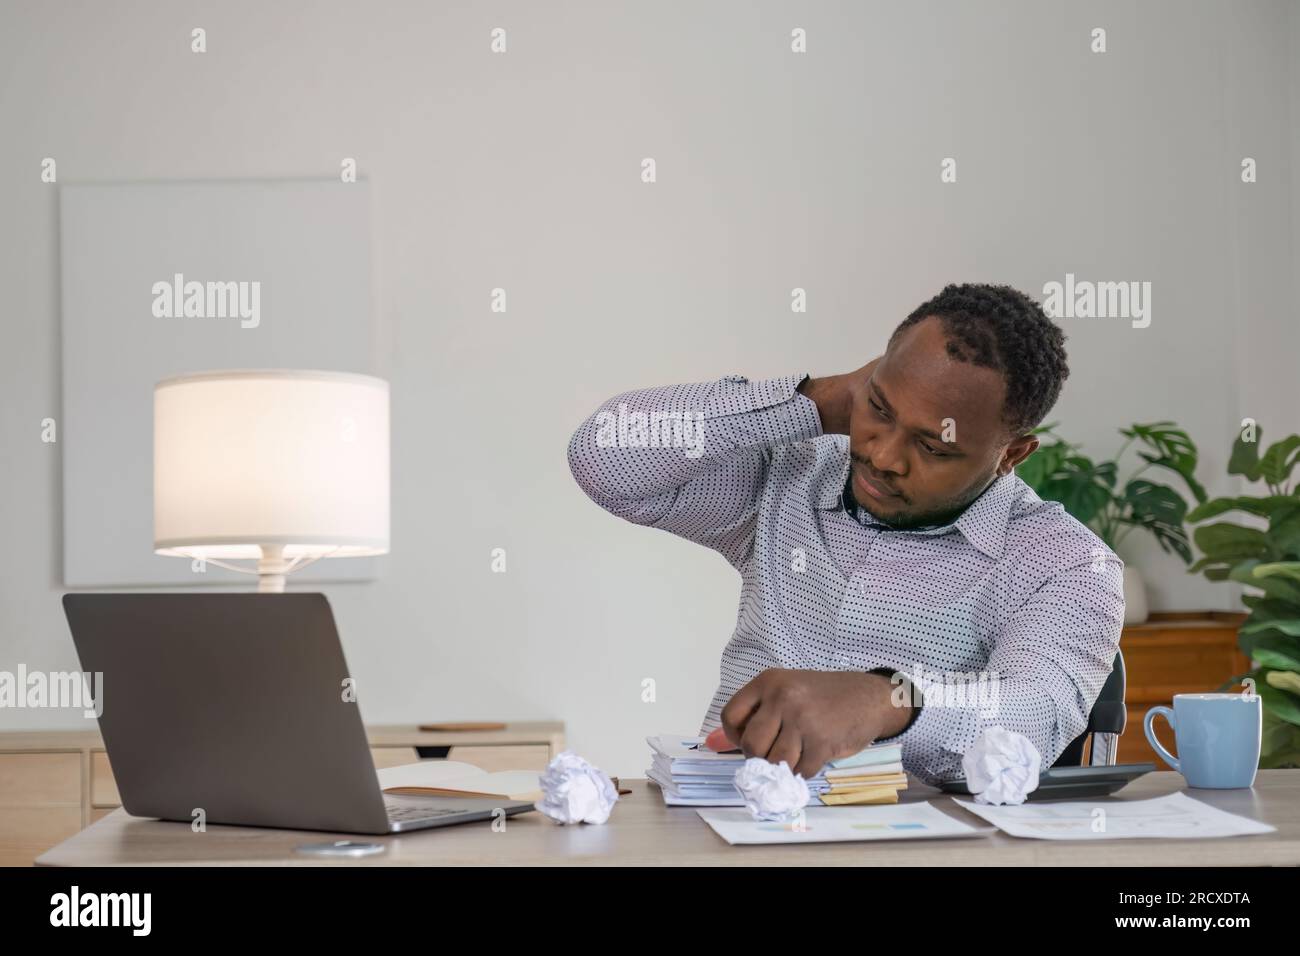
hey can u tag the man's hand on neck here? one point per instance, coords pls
(834, 396)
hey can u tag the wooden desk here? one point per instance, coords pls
(642, 831)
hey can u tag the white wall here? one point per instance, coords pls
(775, 171)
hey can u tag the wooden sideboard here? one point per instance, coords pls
(54, 783)
(1174, 652)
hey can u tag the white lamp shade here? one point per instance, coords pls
(289, 458)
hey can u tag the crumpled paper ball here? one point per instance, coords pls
(1001, 767)
(573, 791)
(771, 791)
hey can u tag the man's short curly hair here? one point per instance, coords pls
(1001, 328)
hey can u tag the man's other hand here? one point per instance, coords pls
(808, 718)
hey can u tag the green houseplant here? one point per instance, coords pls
(1113, 507)
(1264, 555)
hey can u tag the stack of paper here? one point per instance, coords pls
(689, 774)
(874, 775)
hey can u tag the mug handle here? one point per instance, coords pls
(1151, 734)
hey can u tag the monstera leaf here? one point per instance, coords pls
(1160, 510)
(1171, 448)
(1092, 492)
(1276, 465)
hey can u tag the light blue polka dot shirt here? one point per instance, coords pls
(1009, 616)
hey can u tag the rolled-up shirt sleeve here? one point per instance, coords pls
(691, 459)
(1044, 673)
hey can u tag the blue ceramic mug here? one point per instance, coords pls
(1217, 736)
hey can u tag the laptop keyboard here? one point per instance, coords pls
(398, 812)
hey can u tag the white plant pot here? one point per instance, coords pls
(1135, 596)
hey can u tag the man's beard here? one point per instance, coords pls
(946, 514)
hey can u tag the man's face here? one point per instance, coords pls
(926, 434)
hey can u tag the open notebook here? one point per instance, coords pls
(450, 778)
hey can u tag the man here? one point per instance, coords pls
(898, 580)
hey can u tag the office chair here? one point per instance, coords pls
(1105, 724)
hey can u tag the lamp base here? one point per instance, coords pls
(272, 567)
(271, 570)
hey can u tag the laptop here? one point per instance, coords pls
(236, 705)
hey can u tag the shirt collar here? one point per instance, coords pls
(983, 523)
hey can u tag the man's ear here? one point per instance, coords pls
(1017, 451)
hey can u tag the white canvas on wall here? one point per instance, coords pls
(285, 271)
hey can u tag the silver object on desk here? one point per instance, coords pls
(340, 848)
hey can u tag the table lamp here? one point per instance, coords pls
(282, 466)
